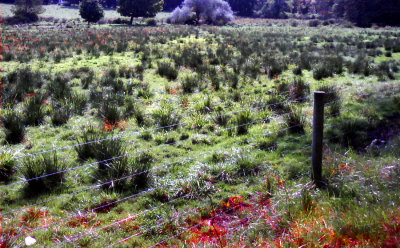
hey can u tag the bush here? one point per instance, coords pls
(166, 69)
(151, 22)
(40, 166)
(13, 124)
(7, 167)
(91, 10)
(216, 12)
(314, 23)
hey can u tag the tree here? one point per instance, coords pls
(273, 9)
(171, 4)
(202, 11)
(91, 10)
(243, 7)
(28, 10)
(139, 8)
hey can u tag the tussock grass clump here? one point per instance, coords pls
(332, 99)
(247, 166)
(34, 110)
(361, 65)
(59, 87)
(295, 121)
(299, 90)
(243, 121)
(321, 72)
(166, 117)
(13, 123)
(60, 114)
(110, 113)
(221, 118)
(89, 134)
(350, 132)
(189, 83)
(37, 167)
(141, 168)
(78, 103)
(166, 69)
(21, 82)
(7, 167)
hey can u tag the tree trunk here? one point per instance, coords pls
(131, 21)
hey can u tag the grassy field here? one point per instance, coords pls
(198, 136)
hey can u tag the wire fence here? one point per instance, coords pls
(75, 238)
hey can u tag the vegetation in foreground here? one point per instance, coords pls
(198, 135)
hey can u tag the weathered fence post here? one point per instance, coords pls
(318, 135)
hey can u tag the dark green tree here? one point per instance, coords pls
(139, 8)
(91, 10)
(243, 7)
(28, 10)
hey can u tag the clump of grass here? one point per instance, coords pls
(144, 92)
(113, 174)
(34, 110)
(243, 120)
(350, 132)
(13, 123)
(321, 71)
(166, 117)
(34, 169)
(221, 118)
(332, 98)
(89, 134)
(166, 69)
(295, 121)
(247, 166)
(141, 168)
(60, 114)
(7, 167)
(59, 87)
(110, 113)
(189, 84)
(299, 89)
(78, 103)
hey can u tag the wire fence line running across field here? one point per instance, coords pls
(110, 182)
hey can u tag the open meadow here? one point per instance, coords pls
(198, 136)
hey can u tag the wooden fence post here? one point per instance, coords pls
(318, 135)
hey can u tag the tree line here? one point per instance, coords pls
(363, 13)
